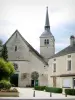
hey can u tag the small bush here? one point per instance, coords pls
(4, 84)
(39, 88)
(70, 91)
(53, 90)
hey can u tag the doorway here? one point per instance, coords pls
(14, 80)
(54, 81)
(73, 82)
(32, 83)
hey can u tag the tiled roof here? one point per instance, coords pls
(68, 50)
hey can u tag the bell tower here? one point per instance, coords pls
(47, 41)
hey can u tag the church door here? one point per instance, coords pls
(54, 81)
(32, 83)
(14, 80)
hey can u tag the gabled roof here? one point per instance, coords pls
(30, 47)
(68, 50)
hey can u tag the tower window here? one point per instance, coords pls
(15, 48)
(46, 41)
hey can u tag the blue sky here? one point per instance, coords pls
(28, 16)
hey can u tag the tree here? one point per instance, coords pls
(34, 76)
(1, 43)
(6, 69)
(4, 53)
(1, 46)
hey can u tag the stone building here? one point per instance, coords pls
(27, 60)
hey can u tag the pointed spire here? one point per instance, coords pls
(47, 25)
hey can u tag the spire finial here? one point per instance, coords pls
(47, 19)
(47, 7)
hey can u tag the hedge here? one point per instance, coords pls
(39, 88)
(53, 90)
(70, 91)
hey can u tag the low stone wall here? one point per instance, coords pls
(9, 94)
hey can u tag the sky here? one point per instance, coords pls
(28, 17)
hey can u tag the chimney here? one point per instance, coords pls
(72, 40)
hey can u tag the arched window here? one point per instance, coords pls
(16, 35)
(15, 48)
(47, 41)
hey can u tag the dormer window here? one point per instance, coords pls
(15, 48)
(46, 41)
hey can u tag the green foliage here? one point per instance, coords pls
(1, 46)
(6, 69)
(53, 90)
(70, 91)
(39, 88)
(1, 43)
(4, 53)
(4, 84)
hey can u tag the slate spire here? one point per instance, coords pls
(47, 25)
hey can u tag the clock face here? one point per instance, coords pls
(15, 66)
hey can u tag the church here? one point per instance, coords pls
(27, 60)
(54, 70)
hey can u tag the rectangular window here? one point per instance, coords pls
(69, 56)
(54, 67)
(69, 65)
(66, 82)
(15, 48)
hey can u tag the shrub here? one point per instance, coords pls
(53, 89)
(6, 69)
(70, 91)
(4, 84)
(39, 88)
